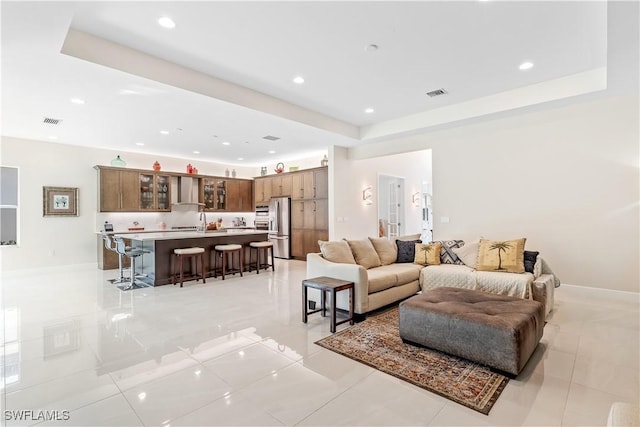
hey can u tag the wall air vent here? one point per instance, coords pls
(271, 138)
(50, 121)
(436, 92)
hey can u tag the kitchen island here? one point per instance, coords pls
(155, 266)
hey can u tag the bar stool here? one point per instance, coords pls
(178, 257)
(131, 253)
(262, 249)
(225, 252)
(108, 244)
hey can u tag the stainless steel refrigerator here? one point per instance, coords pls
(280, 226)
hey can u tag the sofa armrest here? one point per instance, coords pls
(318, 266)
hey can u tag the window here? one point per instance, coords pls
(8, 205)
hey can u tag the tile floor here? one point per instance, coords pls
(235, 352)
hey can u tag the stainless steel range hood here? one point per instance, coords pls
(185, 191)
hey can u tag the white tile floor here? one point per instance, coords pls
(235, 352)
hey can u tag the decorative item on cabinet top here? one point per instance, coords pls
(324, 161)
(118, 162)
(156, 166)
(279, 168)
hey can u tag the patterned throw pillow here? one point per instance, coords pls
(406, 250)
(501, 255)
(428, 253)
(530, 258)
(447, 255)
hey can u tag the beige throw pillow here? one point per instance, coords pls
(386, 250)
(364, 253)
(338, 251)
(468, 253)
(428, 253)
(501, 255)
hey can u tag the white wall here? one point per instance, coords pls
(53, 241)
(349, 217)
(567, 179)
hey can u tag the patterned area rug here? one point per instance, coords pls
(376, 342)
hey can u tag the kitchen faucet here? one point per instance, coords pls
(203, 218)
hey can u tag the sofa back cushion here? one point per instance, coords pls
(427, 253)
(468, 254)
(386, 250)
(406, 250)
(336, 251)
(501, 255)
(364, 253)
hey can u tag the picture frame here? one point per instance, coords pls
(59, 201)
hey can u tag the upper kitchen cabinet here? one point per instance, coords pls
(281, 185)
(262, 190)
(214, 193)
(155, 192)
(118, 189)
(310, 184)
(239, 195)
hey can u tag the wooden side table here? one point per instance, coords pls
(324, 285)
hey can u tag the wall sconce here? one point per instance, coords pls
(367, 195)
(416, 199)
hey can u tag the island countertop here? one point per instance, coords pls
(179, 235)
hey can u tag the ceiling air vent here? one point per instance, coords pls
(50, 121)
(271, 138)
(436, 92)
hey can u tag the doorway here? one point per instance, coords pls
(390, 206)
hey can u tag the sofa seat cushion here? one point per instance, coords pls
(381, 278)
(405, 273)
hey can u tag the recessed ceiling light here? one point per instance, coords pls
(526, 65)
(77, 101)
(369, 110)
(166, 22)
(240, 158)
(298, 80)
(226, 143)
(53, 137)
(371, 48)
(272, 152)
(196, 152)
(164, 132)
(140, 143)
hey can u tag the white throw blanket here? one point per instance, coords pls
(461, 276)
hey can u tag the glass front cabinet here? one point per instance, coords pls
(155, 192)
(214, 192)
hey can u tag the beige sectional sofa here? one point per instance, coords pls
(380, 280)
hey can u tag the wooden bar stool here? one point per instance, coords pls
(262, 250)
(225, 253)
(177, 260)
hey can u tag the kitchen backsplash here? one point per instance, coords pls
(181, 216)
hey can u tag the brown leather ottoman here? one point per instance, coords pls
(498, 331)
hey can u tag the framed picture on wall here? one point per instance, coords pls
(59, 201)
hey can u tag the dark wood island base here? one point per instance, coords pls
(156, 266)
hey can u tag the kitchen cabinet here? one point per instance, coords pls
(262, 190)
(213, 193)
(239, 196)
(310, 184)
(306, 241)
(118, 190)
(281, 185)
(155, 192)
